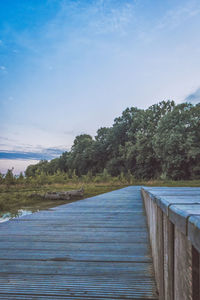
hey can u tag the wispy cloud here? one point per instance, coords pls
(11, 149)
(106, 19)
(100, 16)
(194, 97)
(48, 153)
(174, 18)
(77, 22)
(170, 20)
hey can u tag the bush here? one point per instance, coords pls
(9, 178)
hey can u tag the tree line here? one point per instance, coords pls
(160, 142)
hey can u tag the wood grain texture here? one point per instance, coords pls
(155, 223)
(194, 231)
(195, 274)
(182, 266)
(97, 248)
(160, 252)
(168, 247)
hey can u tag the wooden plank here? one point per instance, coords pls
(78, 238)
(136, 255)
(82, 247)
(168, 232)
(81, 268)
(94, 223)
(165, 197)
(160, 252)
(182, 266)
(95, 287)
(35, 227)
(195, 274)
(194, 231)
(179, 215)
(155, 222)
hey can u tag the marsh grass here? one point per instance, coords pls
(17, 197)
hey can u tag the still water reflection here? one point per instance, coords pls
(5, 216)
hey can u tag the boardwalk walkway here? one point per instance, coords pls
(96, 248)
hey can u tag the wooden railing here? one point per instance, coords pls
(173, 216)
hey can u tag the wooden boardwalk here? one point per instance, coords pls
(97, 248)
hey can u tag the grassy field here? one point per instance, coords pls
(15, 198)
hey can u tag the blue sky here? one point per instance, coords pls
(69, 67)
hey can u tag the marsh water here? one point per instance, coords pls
(17, 202)
(27, 210)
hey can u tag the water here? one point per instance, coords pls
(6, 216)
(21, 212)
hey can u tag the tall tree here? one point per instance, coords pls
(176, 142)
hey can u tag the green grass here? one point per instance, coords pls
(16, 197)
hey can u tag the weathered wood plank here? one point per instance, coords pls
(179, 215)
(182, 266)
(112, 247)
(74, 268)
(195, 274)
(194, 231)
(81, 238)
(132, 256)
(35, 228)
(168, 248)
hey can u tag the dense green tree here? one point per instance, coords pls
(161, 141)
(194, 142)
(38, 168)
(147, 162)
(54, 165)
(102, 150)
(115, 166)
(177, 142)
(81, 157)
(62, 163)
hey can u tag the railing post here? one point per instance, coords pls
(174, 226)
(168, 230)
(195, 274)
(182, 266)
